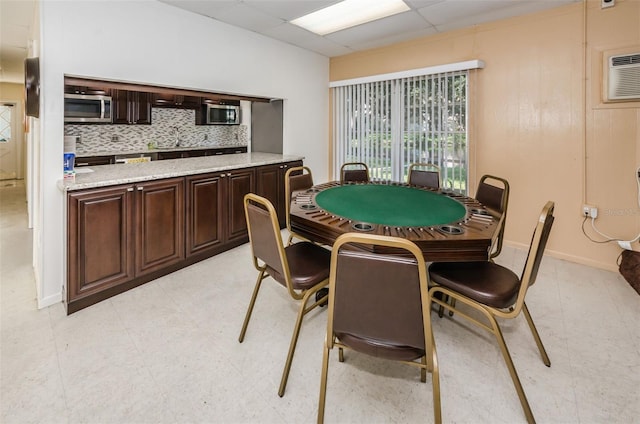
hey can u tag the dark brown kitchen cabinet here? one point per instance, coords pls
(92, 91)
(270, 184)
(239, 183)
(215, 211)
(205, 213)
(131, 107)
(101, 228)
(94, 160)
(122, 236)
(170, 155)
(160, 224)
(118, 234)
(176, 101)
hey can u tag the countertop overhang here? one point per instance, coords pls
(108, 175)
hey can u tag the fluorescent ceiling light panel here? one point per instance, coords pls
(348, 13)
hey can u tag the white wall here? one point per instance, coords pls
(151, 42)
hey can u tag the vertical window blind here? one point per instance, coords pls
(393, 123)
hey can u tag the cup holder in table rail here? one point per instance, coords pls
(450, 229)
(313, 190)
(478, 211)
(308, 206)
(362, 226)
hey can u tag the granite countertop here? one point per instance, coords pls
(154, 150)
(107, 175)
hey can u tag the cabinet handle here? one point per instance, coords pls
(130, 189)
(223, 175)
(140, 188)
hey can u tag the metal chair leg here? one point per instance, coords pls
(512, 370)
(323, 383)
(261, 276)
(536, 336)
(294, 340)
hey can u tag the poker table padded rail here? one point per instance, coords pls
(390, 205)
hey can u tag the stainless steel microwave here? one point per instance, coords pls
(85, 108)
(223, 114)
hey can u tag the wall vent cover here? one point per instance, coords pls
(624, 77)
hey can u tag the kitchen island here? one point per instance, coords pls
(128, 224)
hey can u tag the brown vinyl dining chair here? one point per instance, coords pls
(378, 305)
(493, 193)
(302, 268)
(424, 175)
(296, 180)
(496, 292)
(354, 172)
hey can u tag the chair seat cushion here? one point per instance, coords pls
(484, 282)
(308, 265)
(379, 348)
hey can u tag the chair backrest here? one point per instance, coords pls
(296, 179)
(354, 172)
(424, 175)
(379, 300)
(264, 234)
(536, 250)
(495, 196)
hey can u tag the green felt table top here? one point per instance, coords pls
(398, 206)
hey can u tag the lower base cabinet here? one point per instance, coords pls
(215, 211)
(122, 236)
(270, 184)
(118, 234)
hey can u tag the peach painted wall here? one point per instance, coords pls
(538, 118)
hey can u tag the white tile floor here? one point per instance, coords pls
(168, 352)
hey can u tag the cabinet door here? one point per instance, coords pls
(268, 180)
(270, 184)
(205, 213)
(100, 231)
(131, 107)
(120, 107)
(141, 104)
(239, 183)
(160, 224)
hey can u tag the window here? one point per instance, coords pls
(390, 124)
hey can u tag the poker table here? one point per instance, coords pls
(446, 226)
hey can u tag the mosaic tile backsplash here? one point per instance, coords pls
(160, 134)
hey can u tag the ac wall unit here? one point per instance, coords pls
(624, 77)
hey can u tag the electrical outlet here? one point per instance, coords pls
(589, 211)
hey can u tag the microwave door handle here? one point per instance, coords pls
(102, 109)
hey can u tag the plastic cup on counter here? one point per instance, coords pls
(69, 163)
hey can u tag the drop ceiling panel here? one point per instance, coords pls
(289, 10)
(247, 17)
(452, 11)
(380, 29)
(297, 36)
(211, 9)
(397, 38)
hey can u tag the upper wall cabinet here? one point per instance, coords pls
(81, 89)
(176, 101)
(131, 107)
